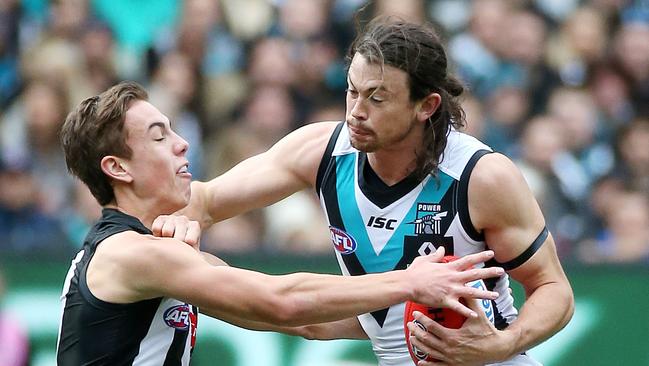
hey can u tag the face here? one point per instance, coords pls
(380, 115)
(158, 166)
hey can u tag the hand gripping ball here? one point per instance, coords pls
(444, 316)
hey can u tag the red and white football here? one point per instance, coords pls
(444, 316)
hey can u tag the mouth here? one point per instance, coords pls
(183, 171)
(358, 131)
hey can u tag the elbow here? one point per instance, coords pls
(570, 311)
(285, 310)
(308, 332)
(569, 306)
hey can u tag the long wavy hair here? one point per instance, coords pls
(418, 51)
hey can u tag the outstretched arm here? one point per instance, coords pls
(155, 267)
(502, 205)
(287, 167)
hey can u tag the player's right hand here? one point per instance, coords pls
(178, 227)
(443, 284)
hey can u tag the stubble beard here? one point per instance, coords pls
(374, 144)
(366, 147)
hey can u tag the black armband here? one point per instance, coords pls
(523, 257)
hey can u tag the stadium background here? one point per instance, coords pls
(560, 86)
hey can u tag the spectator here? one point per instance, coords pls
(14, 344)
(625, 238)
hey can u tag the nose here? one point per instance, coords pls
(181, 146)
(358, 110)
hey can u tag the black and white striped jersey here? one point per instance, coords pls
(153, 332)
(378, 228)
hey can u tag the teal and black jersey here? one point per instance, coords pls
(377, 228)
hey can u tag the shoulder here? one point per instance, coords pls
(141, 263)
(498, 192)
(132, 249)
(460, 149)
(494, 172)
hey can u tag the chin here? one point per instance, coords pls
(366, 147)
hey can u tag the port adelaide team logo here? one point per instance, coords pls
(429, 219)
(178, 317)
(343, 242)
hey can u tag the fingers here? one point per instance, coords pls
(174, 225)
(177, 227)
(424, 341)
(462, 309)
(437, 255)
(474, 304)
(481, 273)
(193, 235)
(469, 292)
(156, 227)
(431, 326)
(471, 260)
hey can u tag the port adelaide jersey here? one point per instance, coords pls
(378, 228)
(155, 332)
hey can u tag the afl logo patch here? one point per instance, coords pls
(343, 242)
(177, 317)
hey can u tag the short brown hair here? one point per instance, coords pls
(94, 129)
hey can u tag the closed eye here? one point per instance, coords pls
(352, 93)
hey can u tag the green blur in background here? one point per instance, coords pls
(610, 325)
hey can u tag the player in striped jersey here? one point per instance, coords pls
(129, 298)
(396, 180)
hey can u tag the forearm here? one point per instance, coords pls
(323, 298)
(212, 259)
(342, 329)
(546, 311)
(348, 328)
(253, 324)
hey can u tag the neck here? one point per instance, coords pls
(144, 210)
(394, 164)
(389, 168)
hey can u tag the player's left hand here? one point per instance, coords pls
(178, 227)
(477, 342)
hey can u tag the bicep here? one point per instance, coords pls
(512, 221)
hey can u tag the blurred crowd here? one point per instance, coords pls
(560, 86)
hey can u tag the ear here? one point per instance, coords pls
(115, 168)
(428, 106)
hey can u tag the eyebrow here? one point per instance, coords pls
(157, 124)
(372, 90)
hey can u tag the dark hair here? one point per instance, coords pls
(418, 51)
(94, 129)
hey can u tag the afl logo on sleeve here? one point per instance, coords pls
(343, 242)
(178, 317)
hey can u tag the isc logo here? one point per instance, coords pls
(342, 241)
(177, 317)
(381, 223)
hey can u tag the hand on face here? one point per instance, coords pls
(442, 284)
(475, 343)
(178, 227)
